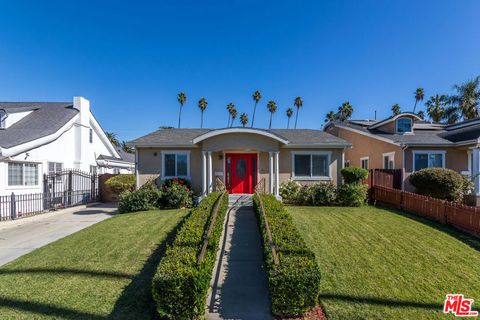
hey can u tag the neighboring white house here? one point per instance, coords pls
(45, 137)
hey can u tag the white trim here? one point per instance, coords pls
(368, 162)
(214, 133)
(210, 173)
(428, 152)
(389, 155)
(270, 171)
(186, 152)
(137, 176)
(367, 134)
(312, 178)
(277, 175)
(102, 135)
(204, 173)
(394, 118)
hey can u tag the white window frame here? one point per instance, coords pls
(23, 186)
(176, 152)
(347, 164)
(55, 165)
(368, 162)
(428, 152)
(312, 153)
(391, 156)
(406, 132)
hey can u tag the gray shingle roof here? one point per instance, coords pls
(184, 137)
(46, 118)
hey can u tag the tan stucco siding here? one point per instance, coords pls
(240, 141)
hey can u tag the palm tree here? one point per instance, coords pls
(272, 108)
(289, 115)
(330, 116)
(230, 108)
(396, 109)
(421, 114)
(256, 97)
(112, 137)
(202, 104)
(419, 95)
(436, 107)
(345, 110)
(298, 102)
(182, 98)
(467, 98)
(244, 119)
(452, 115)
(126, 148)
(234, 115)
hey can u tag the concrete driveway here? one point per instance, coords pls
(22, 236)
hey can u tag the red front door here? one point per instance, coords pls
(241, 170)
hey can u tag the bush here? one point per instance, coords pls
(304, 196)
(176, 193)
(140, 200)
(180, 286)
(294, 285)
(354, 174)
(121, 183)
(352, 195)
(323, 194)
(289, 190)
(440, 183)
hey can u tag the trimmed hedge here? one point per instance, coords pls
(354, 174)
(142, 199)
(121, 183)
(180, 286)
(294, 285)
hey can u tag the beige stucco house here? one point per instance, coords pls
(241, 158)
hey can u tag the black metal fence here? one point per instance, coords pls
(63, 189)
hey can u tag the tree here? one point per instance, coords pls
(202, 104)
(452, 115)
(345, 110)
(182, 98)
(272, 108)
(396, 109)
(234, 115)
(419, 95)
(421, 114)
(244, 119)
(467, 98)
(289, 115)
(436, 107)
(112, 137)
(256, 97)
(126, 148)
(230, 108)
(298, 102)
(330, 116)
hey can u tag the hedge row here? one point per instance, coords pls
(294, 285)
(180, 286)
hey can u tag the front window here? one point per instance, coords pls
(404, 125)
(22, 174)
(364, 163)
(311, 165)
(55, 167)
(428, 159)
(175, 165)
(388, 160)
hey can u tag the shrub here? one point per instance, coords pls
(354, 174)
(323, 194)
(121, 183)
(289, 190)
(140, 200)
(180, 286)
(352, 195)
(440, 183)
(294, 285)
(176, 193)
(304, 196)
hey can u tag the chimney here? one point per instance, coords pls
(82, 105)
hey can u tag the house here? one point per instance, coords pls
(241, 158)
(407, 142)
(44, 137)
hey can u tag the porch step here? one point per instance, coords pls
(240, 200)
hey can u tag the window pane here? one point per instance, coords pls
(320, 165)
(182, 165)
(404, 125)
(386, 162)
(170, 165)
(51, 167)
(302, 165)
(15, 174)
(435, 160)
(365, 163)
(31, 174)
(421, 161)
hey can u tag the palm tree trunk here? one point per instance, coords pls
(253, 116)
(296, 117)
(415, 106)
(228, 122)
(288, 123)
(270, 125)
(201, 122)
(180, 116)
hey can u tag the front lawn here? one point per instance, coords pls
(383, 264)
(104, 271)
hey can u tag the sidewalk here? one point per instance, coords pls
(239, 288)
(22, 236)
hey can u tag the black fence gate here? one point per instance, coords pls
(62, 189)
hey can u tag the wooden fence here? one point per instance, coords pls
(388, 178)
(459, 216)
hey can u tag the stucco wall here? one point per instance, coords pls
(240, 141)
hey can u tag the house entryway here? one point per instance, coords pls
(241, 172)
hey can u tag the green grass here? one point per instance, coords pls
(104, 271)
(382, 264)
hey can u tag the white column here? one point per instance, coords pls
(277, 175)
(270, 171)
(210, 173)
(476, 169)
(204, 173)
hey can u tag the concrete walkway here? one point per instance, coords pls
(239, 285)
(19, 237)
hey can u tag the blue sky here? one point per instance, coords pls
(130, 59)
